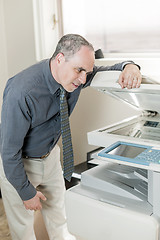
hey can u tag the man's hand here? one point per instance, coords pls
(34, 203)
(130, 77)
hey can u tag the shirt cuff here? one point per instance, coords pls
(27, 193)
(129, 62)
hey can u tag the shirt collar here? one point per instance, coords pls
(52, 84)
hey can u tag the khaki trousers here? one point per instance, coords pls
(46, 176)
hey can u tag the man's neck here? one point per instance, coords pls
(53, 69)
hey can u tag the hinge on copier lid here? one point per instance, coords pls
(148, 113)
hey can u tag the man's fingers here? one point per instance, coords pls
(134, 83)
(41, 196)
(139, 82)
(129, 81)
(120, 81)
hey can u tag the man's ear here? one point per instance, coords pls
(60, 58)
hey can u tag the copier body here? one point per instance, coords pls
(121, 199)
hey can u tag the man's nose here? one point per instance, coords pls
(82, 78)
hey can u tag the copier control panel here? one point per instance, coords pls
(131, 152)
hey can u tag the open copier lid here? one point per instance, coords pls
(143, 128)
(145, 98)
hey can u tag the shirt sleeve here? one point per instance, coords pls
(115, 67)
(15, 124)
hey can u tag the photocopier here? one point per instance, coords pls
(119, 199)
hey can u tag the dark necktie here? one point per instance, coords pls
(68, 162)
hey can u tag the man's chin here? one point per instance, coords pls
(71, 87)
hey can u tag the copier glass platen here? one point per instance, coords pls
(120, 198)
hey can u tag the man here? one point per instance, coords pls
(32, 177)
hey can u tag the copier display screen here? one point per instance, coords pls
(126, 151)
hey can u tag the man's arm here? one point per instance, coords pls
(14, 127)
(16, 121)
(130, 76)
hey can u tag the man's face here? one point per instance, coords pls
(73, 72)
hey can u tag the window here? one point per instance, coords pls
(115, 26)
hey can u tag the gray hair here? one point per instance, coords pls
(70, 44)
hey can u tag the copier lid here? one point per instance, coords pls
(147, 97)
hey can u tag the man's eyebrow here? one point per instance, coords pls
(82, 69)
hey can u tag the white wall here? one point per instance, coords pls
(18, 17)
(17, 49)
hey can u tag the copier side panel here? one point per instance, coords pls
(92, 220)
